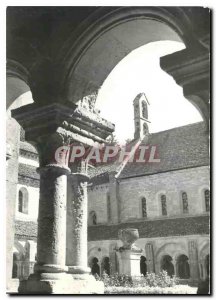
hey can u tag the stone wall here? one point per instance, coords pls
(193, 181)
(97, 201)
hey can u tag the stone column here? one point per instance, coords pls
(193, 261)
(51, 242)
(76, 257)
(44, 131)
(149, 258)
(51, 129)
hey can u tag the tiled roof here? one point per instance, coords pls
(27, 147)
(26, 228)
(153, 228)
(28, 171)
(147, 228)
(177, 148)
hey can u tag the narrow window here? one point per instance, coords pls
(23, 201)
(185, 202)
(144, 110)
(20, 204)
(144, 211)
(163, 205)
(207, 200)
(93, 218)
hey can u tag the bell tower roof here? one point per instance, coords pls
(140, 97)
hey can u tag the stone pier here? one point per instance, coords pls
(49, 128)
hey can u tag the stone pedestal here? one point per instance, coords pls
(129, 255)
(129, 262)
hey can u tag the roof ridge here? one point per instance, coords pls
(177, 128)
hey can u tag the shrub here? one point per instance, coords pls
(117, 280)
(178, 289)
(150, 280)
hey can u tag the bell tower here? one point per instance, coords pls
(141, 120)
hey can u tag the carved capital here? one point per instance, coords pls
(56, 125)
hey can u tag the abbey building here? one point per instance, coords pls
(168, 202)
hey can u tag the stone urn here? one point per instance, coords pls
(128, 237)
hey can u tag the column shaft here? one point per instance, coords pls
(51, 241)
(76, 257)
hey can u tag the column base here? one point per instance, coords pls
(63, 284)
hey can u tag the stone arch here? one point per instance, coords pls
(16, 82)
(23, 200)
(95, 266)
(105, 265)
(182, 267)
(81, 79)
(166, 264)
(143, 265)
(98, 252)
(172, 249)
(15, 266)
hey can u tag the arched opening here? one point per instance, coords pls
(207, 200)
(95, 268)
(15, 267)
(105, 266)
(143, 266)
(182, 267)
(111, 44)
(23, 200)
(184, 197)
(143, 207)
(207, 266)
(163, 205)
(167, 265)
(92, 218)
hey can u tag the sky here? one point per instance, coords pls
(140, 72)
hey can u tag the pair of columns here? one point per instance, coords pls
(49, 128)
